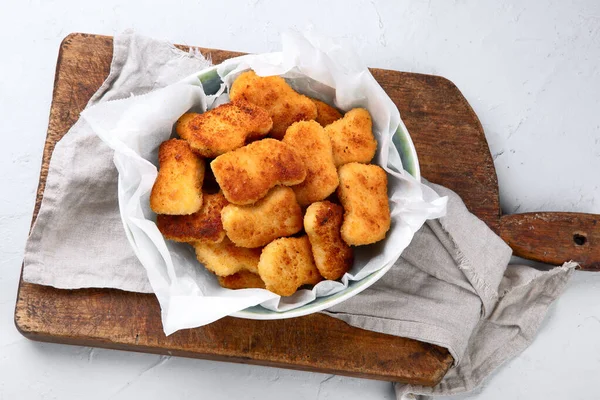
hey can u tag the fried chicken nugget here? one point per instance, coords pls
(311, 142)
(224, 128)
(275, 215)
(177, 189)
(241, 280)
(322, 222)
(363, 194)
(284, 104)
(226, 258)
(286, 264)
(326, 114)
(246, 175)
(202, 226)
(352, 138)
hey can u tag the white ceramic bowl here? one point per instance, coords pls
(211, 83)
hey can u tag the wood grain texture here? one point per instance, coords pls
(449, 139)
(554, 237)
(131, 321)
(452, 151)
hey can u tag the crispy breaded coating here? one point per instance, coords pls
(286, 264)
(275, 215)
(177, 189)
(284, 104)
(363, 194)
(202, 226)
(326, 114)
(246, 175)
(241, 280)
(322, 223)
(310, 141)
(224, 128)
(226, 258)
(352, 138)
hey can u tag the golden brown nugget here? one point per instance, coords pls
(286, 264)
(322, 223)
(275, 215)
(310, 141)
(352, 138)
(247, 174)
(226, 258)
(363, 194)
(177, 189)
(284, 104)
(241, 280)
(326, 114)
(224, 128)
(202, 226)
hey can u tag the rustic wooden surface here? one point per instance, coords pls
(452, 151)
(554, 237)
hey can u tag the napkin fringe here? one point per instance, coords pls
(464, 264)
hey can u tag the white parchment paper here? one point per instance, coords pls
(134, 127)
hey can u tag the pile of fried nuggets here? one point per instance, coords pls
(274, 222)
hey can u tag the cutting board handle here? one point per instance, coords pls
(554, 237)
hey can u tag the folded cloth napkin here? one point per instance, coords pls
(451, 287)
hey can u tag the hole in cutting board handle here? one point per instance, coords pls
(579, 239)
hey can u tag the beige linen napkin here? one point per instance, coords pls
(451, 287)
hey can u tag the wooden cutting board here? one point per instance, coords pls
(452, 151)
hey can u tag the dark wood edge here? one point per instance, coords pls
(104, 344)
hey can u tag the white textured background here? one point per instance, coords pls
(530, 69)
